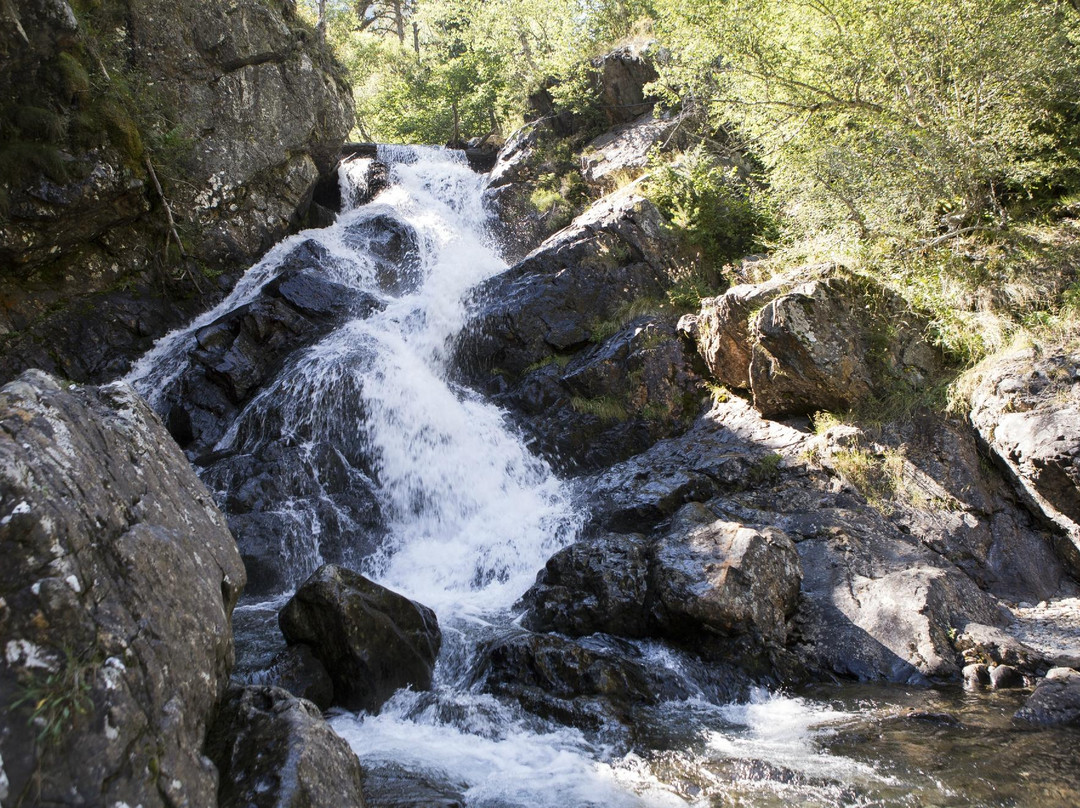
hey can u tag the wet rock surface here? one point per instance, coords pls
(237, 100)
(273, 749)
(116, 590)
(1056, 700)
(371, 640)
(559, 340)
(1027, 411)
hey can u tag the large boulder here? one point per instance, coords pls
(577, 342)
(233, 110)
(726, 578)
(703, 578)
(1056, 700)
(900, 551)
(274, 750)
(827, 344)
(1026, 409)
(118, 582)
(371, 640)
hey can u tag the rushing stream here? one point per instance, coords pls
(469, 517)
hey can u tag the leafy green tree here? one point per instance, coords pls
(895, 117)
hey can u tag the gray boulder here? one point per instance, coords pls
(726, 578)
(825, 344)
(1056, 700)
(371, 640)
(118, 582)
(1027, 410)
(274, 750)
(237, 108)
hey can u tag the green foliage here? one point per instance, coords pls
(890, 118)
(719, 215)
(606, 408)
(72, 76)
(469, 65)
(625, 314)
(58, 698)
(766, 470)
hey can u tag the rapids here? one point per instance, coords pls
(471, 516)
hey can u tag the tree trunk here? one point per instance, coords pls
(399, 21)
(457, 124)
(416, 38)
(320, 26)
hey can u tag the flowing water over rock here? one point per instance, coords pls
(316, 401)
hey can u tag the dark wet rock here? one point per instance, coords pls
(237, 354)
(827, 344)
(584, 682)
(560, 342)
(273, 750)
(392, 244)
(1005, 677)
(1056, 700)
(276, 453)
(976, 676)
(376, 179)
(118, 581)
(596, 585)
(1027, 410)
(299, 671)
(394, 786)
(263, 111)
(278, 545)
(371, 640)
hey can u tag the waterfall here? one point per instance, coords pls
(355, 445)
(469, 514)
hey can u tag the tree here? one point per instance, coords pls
(893, 117)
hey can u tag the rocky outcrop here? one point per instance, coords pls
(828, 344)
(233, 110)
(622, 76)
(1056, 700)
(576, 341)
(275, 751)
(703, 578)
(1026, 409)
(371, 640)
(118, 581)
(891, 577)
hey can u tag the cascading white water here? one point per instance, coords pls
(469, 517)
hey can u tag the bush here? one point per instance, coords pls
(720, 216)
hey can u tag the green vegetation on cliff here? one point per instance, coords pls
(933, 145)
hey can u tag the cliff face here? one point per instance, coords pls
(231, 108)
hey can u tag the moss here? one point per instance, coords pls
(605, 408)
(72, 77)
